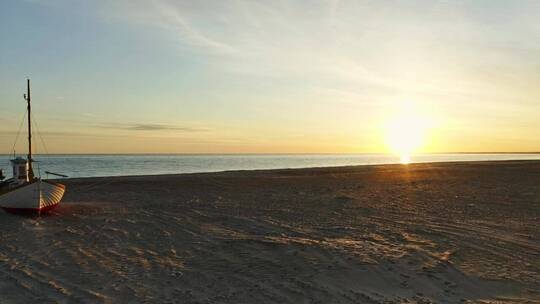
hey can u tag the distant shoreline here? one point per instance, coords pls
(317, 169)
(95, 165)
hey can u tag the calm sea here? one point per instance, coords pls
(115, 165)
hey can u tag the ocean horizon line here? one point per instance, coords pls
(269, 153)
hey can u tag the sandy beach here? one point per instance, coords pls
(419, 233)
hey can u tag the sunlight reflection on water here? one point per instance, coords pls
(114, 165)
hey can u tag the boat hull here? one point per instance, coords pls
(33, 198)
(29, 211)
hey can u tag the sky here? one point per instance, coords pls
(333, 76)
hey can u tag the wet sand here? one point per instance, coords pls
(424, 233)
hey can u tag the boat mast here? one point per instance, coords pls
(27, 98)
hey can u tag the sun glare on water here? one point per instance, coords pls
(405, 159)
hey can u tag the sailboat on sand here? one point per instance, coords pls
(26, 193)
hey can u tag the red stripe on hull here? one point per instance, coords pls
(30, 211)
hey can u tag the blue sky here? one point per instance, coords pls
(271, 76)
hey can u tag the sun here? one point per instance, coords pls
(405, 135)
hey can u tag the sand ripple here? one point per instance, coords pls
(443, 233)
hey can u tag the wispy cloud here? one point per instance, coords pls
(171, 18)
(150, 127)
(380, 44)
